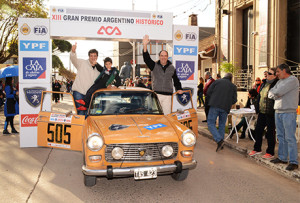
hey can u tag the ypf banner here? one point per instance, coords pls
(109, 24)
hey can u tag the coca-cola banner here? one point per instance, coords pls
(29, 120)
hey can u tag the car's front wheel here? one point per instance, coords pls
(89, 181)
(181, 176)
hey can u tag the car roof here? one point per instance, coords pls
(124, 88)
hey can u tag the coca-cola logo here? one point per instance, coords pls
(29, 120)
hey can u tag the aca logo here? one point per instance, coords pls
(34, 45)
(185, 97)
(34, 95)
(109, 30)
(40, 30)
(190, 36)
(34, 68)
(25, 29)
(185, 70)
(185, 50)
(178, 35)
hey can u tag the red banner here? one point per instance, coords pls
(29, 120)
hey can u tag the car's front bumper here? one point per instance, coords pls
(126, 172)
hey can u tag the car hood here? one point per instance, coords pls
(136, 129)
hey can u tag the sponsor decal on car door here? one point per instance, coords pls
(60, 129)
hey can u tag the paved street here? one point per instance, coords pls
(219, 177)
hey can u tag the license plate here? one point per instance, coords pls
(145, 173)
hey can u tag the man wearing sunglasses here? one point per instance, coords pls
(286, 93)
(265, 110)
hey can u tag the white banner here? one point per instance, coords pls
(34, 74)
(185, 53)
(109, 24)
(34, 50)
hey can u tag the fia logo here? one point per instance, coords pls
(34, 68)
(109, 30)
(26, 45)
(40, 30)
(33, 95)
(190, 36)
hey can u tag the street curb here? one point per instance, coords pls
(279, 168)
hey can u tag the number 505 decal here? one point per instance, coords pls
(187, 124)
(59, 133)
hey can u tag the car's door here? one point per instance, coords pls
(183, 110)
(59, 126)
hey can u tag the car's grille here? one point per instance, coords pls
(141, 152)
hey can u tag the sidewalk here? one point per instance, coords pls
(246, 145)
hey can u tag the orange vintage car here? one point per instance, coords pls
(124, 134)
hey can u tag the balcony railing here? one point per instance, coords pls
(243, 80)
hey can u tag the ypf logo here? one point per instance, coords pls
(29, 120)
(40, 30)
(109, 30)
(34, 95)
(25, 29)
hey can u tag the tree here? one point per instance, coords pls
(229, 67)
(10, 11)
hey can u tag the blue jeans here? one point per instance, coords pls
(78, 96)
(213, 113)
(286, 129)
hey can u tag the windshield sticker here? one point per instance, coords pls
(118, 127)
(185, 114)
(155, 126)
(56, 117)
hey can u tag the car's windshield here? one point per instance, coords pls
(124, 102)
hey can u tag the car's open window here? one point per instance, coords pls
(124, 102)
(58, 103)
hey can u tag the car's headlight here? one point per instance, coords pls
(167, 151)
(188, 138)
(95, 142)
(117, 153)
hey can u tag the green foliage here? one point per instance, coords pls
(229, 67)
(10, 11)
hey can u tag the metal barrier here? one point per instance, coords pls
(243, 80)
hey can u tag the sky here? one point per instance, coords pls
(181, 9)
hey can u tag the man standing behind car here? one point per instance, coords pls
(87, 72)
(162, 72)
(222, 95)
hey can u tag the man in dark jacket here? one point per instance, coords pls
(163, 73)
(222, 95)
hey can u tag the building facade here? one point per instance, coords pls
(256, 35)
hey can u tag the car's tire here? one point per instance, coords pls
(181, 176)
(89, 181)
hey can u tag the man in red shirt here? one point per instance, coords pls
(209, 81)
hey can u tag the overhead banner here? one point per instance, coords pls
(109, 24)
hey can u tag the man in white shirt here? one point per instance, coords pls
(87, 72)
